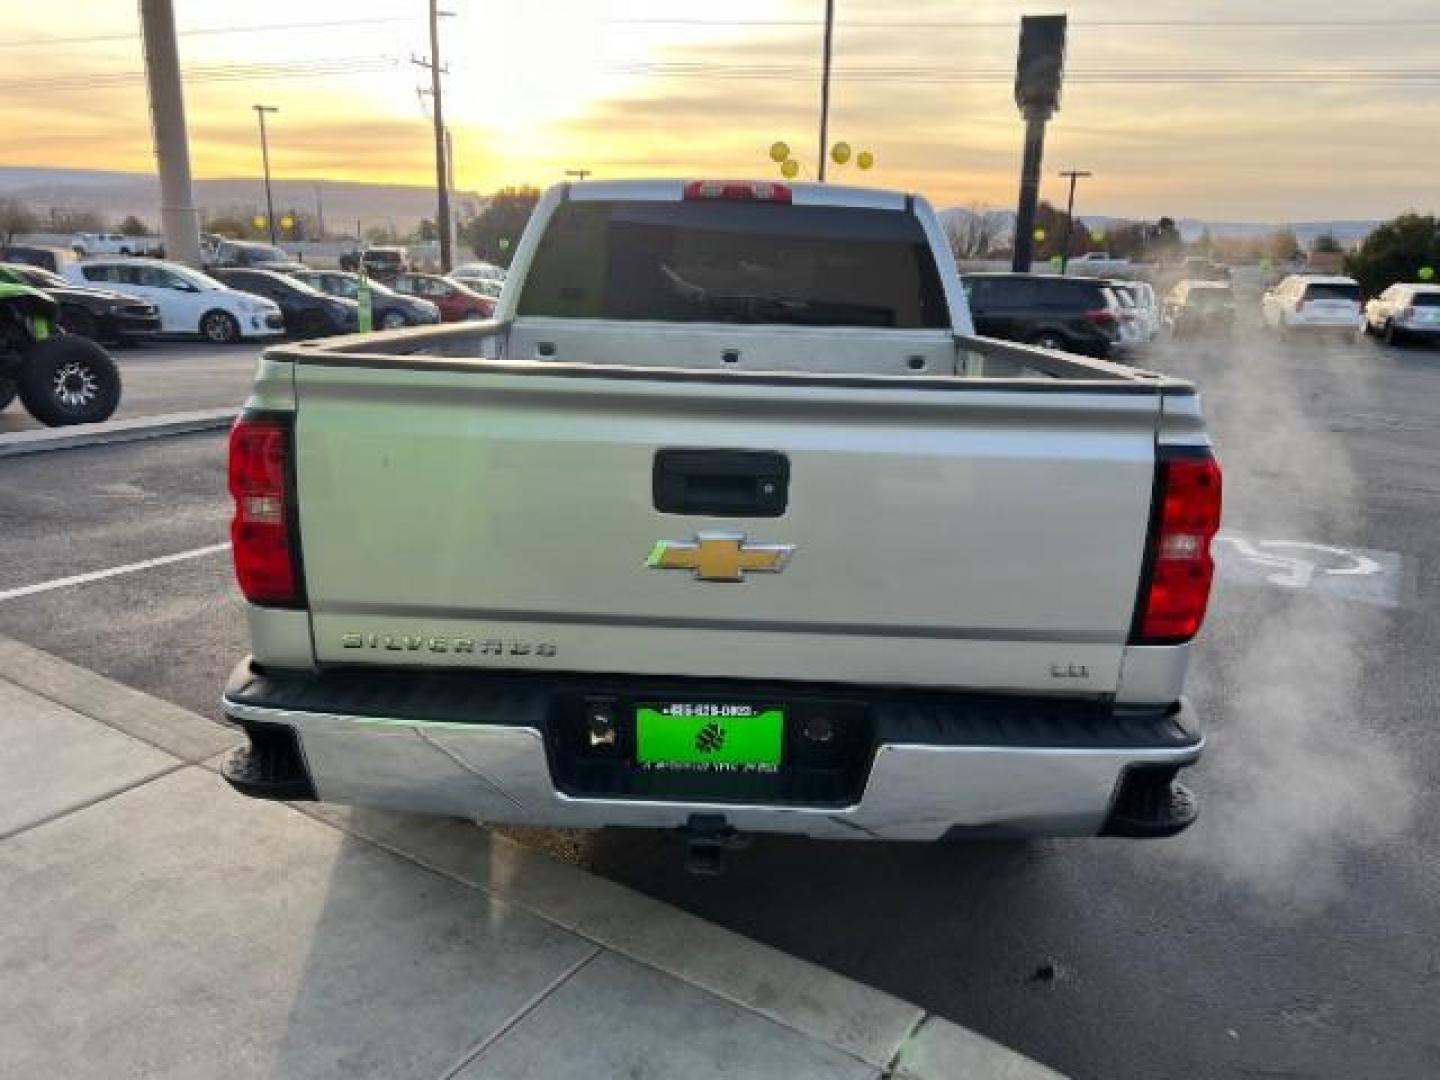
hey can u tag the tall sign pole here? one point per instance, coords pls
(179, 221)
(825, 89)
(260, 111)
(1039, 73)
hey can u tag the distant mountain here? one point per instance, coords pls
(117, 194)
(1348, 232)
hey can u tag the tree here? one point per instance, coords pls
(973, 232)
(492, 233)
(133, 226)
(1397, 251)
(426, 230)
(16, 218)
(1282, 245)
(70, 220)
(1326, 242)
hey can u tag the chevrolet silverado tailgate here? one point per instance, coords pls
(940, 532)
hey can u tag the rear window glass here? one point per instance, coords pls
(1325, 291)
(1083, 295)
(1425, 299)
(735, 262)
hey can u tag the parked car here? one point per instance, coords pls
(479, 271)
(1404, 313)
(856, 573)
(189, 302)
(307, 311)
(1195, 308)
(456, 302)
(60, 378)
(1080, 315)
(249, 253)
(1312, 303)
(86, 244)
(47, 258)
(377, 262)
(490, 287)
(389, 310)
(98, 314)
(1139, 316)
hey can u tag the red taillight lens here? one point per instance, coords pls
(1181, 567)
(745, 190)
(260, 534)
(1101, 317)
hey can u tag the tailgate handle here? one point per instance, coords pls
(721, 483)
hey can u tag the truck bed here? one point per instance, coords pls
(982, 529)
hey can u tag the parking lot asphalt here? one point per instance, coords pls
(1291, 932)
(169, 377)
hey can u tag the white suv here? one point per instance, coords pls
(190, 302)
(1306, 302)
(1405, 313)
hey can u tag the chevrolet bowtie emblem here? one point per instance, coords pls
(719, 556)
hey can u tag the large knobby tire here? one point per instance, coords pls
(7, 393)
(220, 327)
(69, 380)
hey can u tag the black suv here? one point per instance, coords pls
(307, 311)
(1072, 314)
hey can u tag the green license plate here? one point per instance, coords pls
(710, 737)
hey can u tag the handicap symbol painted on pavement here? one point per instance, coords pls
(1351, 573)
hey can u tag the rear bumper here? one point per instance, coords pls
(502, 748)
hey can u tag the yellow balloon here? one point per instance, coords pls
(258, 221)
(789, 167)
(864, 159)
(287, 222)
(779, 151)
(840, 153)
(1427, 273)
(1040, 235)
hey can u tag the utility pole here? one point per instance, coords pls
(179, 223)
(1072, 175)
(825, 88)
(578, 174)
(260, 111)
(320, 209)
(442, 190)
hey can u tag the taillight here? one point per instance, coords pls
(263, 544)
(1101, 317)
(745, 190)
(1176, 589)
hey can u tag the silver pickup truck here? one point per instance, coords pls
(726, 522)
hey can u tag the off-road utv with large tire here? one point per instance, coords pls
(60, 378)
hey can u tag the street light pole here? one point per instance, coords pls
(825, 87)
(260, 111)
(178, 219)
(442, 212)
(1073, 175)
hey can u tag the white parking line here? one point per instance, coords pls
(114, 571)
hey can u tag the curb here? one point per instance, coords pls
(898, 1039)
(114, 431)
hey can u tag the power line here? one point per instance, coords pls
(299, 69)
(1094, 76)
(970, 24)
(202, 31)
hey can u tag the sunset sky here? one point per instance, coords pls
(701, 89)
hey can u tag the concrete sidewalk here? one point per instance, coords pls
(159, 925)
